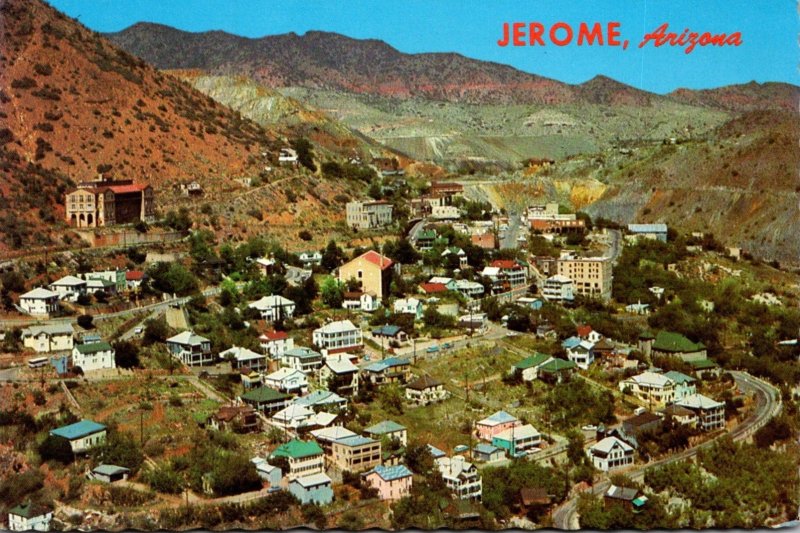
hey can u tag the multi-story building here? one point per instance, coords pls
(339, 336)
(274, 307)
(55, 337)
(492, 425)
(244, 357)
(106, 201)
(371, 270)
(93, 356)
(368, 215)
(276, 343)
(611, 453)
(190, 348)
(392, 483)
(655, 389)
(710, 413)
(461, 477)
(69, 288)
(591, 276)
(518, 440)
(39, 302)
(356, 453)
(305, 458)
(302, 359)
(339, 374)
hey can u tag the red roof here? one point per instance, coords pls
(506, 264)
(275, 335)
(134, 275)
(433, 287)
(584, 330)
(377, 259)
(484, 241)
(122, 189)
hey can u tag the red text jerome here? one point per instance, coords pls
(559, 34)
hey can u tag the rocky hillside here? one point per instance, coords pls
(280, 113)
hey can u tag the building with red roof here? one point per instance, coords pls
(106, 201)
(432, 288)
(372, 270)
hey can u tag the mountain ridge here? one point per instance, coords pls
(328, 60)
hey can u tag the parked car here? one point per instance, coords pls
(589, 427)
(447, 345)
(433, 349)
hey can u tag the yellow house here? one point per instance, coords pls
(372, 270)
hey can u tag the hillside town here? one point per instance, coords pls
(349, 382)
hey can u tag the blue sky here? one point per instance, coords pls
(769, 32)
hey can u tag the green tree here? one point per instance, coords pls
(332, 293)
(55, 448)
(332, 256)
(126, 354)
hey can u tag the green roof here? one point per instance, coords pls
(532, 361)
(263, 394)
(93, 347)
(667, 341)
(703, 364)
(28, 510)
(646, 335)
(297, 449)
(426, 234)
(557, 365)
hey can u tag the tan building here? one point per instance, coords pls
(372, 270)
(356, 453)
(105, 202)
(367, 215)
(591, 276)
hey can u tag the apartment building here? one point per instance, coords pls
(591, 276)
(368, 215)
(356, 453)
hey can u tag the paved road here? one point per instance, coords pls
(414, 231)
(154, 307)
(509, 239)
(768, 405)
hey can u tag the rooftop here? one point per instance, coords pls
(264, 394)
(188, 337)
(78, 430)
(93, 347)
(297, 449)
(380, 366)
(532, 361)
(390, 473)
(376, 259)
(423, 382)
(39, 293)
(355, 440)
(500, 417)
(384, 427)
(667, 341)
(313, 480)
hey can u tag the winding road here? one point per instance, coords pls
(768, 405)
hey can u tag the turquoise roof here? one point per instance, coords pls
(78, 430)
(390, 473)
(380, 366)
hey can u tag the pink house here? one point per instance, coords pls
(391, 482)
(494, 424)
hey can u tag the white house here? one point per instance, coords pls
(287, 156)
(469, 288)
(310, 258)
(242, 357)
(275, 343)
(461, 477)
(82, 435)
(611, 453)
(558, 288)
(39, 302)
(190, 348)
(29, 517)
(287, 380)
(408, 306)
(363, 301)
(293, 416)
(93, 356)
(274, 307)
(518, 440)
(48, 338)
(303, 359)
(339, 336)
(338, 370)
(69, 288)
(650, 387)
(582, 354)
